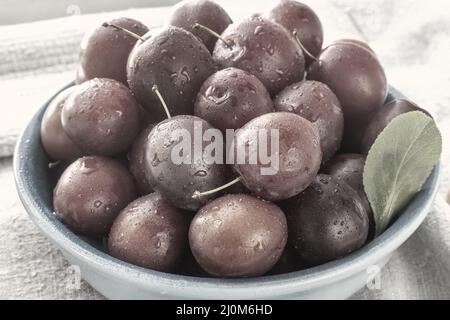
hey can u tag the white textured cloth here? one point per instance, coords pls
(410, 37)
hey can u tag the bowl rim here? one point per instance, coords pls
(61, 236)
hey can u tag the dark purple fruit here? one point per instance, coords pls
(327, 221)
(205, 12)
(56, 169)
(150, 233)
(288, 262)
(350, 168)
(235, 188)
(90, 194)
(355, 75)
(232, 97)
(353, 134)
(190, 267)
(146, 118)
(238, 236)
(174, 60)
(264, 49)
(355, 43)
(381, 119)
(102, 117)
(296, 162)
(105, 50)
(177, 181)
(152, 32)
(136, 161)
(54, 139)
(297, 16)
(315, 102)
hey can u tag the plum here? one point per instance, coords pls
(150, 233)
(91, 193)
(327, 221)
(382, 117)
(315, 102)
(238, 236)
(232, 97)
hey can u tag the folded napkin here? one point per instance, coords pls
(410, 37)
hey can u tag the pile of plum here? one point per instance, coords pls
(110, 136)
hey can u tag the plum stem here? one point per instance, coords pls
(212, 32)
(163, 102)
(198, 194)
(309, 54)
(131, 33)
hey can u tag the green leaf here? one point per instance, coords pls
(398, 164)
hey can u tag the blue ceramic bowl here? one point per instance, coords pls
(120, 280)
